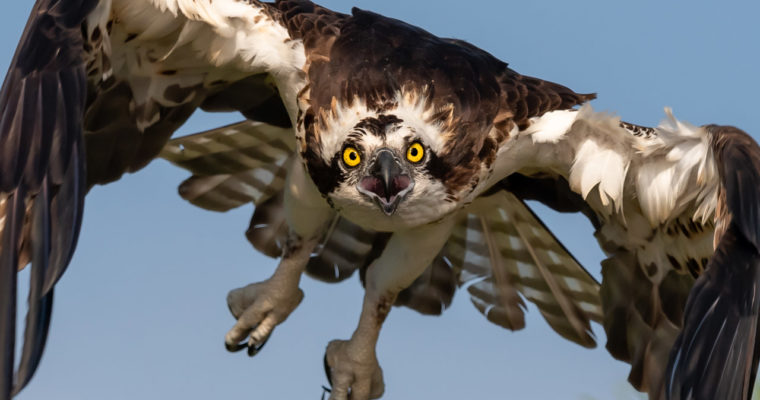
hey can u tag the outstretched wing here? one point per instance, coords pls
(96, 89)
(42, 172)
(716, 354)
(652, 196)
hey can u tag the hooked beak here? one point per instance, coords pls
(386, 184)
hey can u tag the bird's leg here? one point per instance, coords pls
(352, 366)
(261, 306)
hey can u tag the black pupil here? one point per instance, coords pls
(414, 152)
(352, 155)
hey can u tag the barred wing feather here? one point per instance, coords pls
(233, 165)
(247, 163)
(503, 249)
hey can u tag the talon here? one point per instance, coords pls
(327, 371)
(254, 348)
(353, 372)
(259, 308)
(234, 348)
(325, 390)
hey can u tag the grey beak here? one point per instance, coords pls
(386, 184)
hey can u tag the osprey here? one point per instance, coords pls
(382, 148)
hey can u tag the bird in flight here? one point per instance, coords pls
(376, 146)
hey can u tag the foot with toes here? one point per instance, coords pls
(259, 307)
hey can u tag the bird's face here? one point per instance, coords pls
(378, 170)
(387, 182)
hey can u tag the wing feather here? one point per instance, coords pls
(657, 229)
(41, 171)
(40, 305)
(82, 77)
(233, 165)
(247, 163)
(716, 354)
(15, 210)
(505, 249)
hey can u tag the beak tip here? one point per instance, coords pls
(388, 207)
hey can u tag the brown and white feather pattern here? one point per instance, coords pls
(654, 196)
(104, 84)
(247, 162)
(501, 249)
(233, 165)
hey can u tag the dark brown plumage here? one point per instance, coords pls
(41, 158)
(61, 134)
(371, 57)
(716, 355)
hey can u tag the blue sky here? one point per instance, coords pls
(141, 312)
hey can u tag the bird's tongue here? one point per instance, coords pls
(386, 192)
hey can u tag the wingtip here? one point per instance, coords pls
(716, 354)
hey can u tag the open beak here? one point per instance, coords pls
(386, 183)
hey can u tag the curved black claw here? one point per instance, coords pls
(234, 348)
(256, 348)
(325, 390)
(327, 371)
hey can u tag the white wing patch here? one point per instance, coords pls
(190, 44)
(602, 167)
(551, 126)
(662, 175)
(684, 171)
(241, 32)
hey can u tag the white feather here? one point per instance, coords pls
(682, 171)
(597, 165)
(203, 41)
(602, 157)
(551, 126)
(663, 175)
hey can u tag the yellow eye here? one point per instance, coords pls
(351, 157)
(415, 152)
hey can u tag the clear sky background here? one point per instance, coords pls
(141, 312)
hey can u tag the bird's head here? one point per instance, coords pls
(388, 168)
